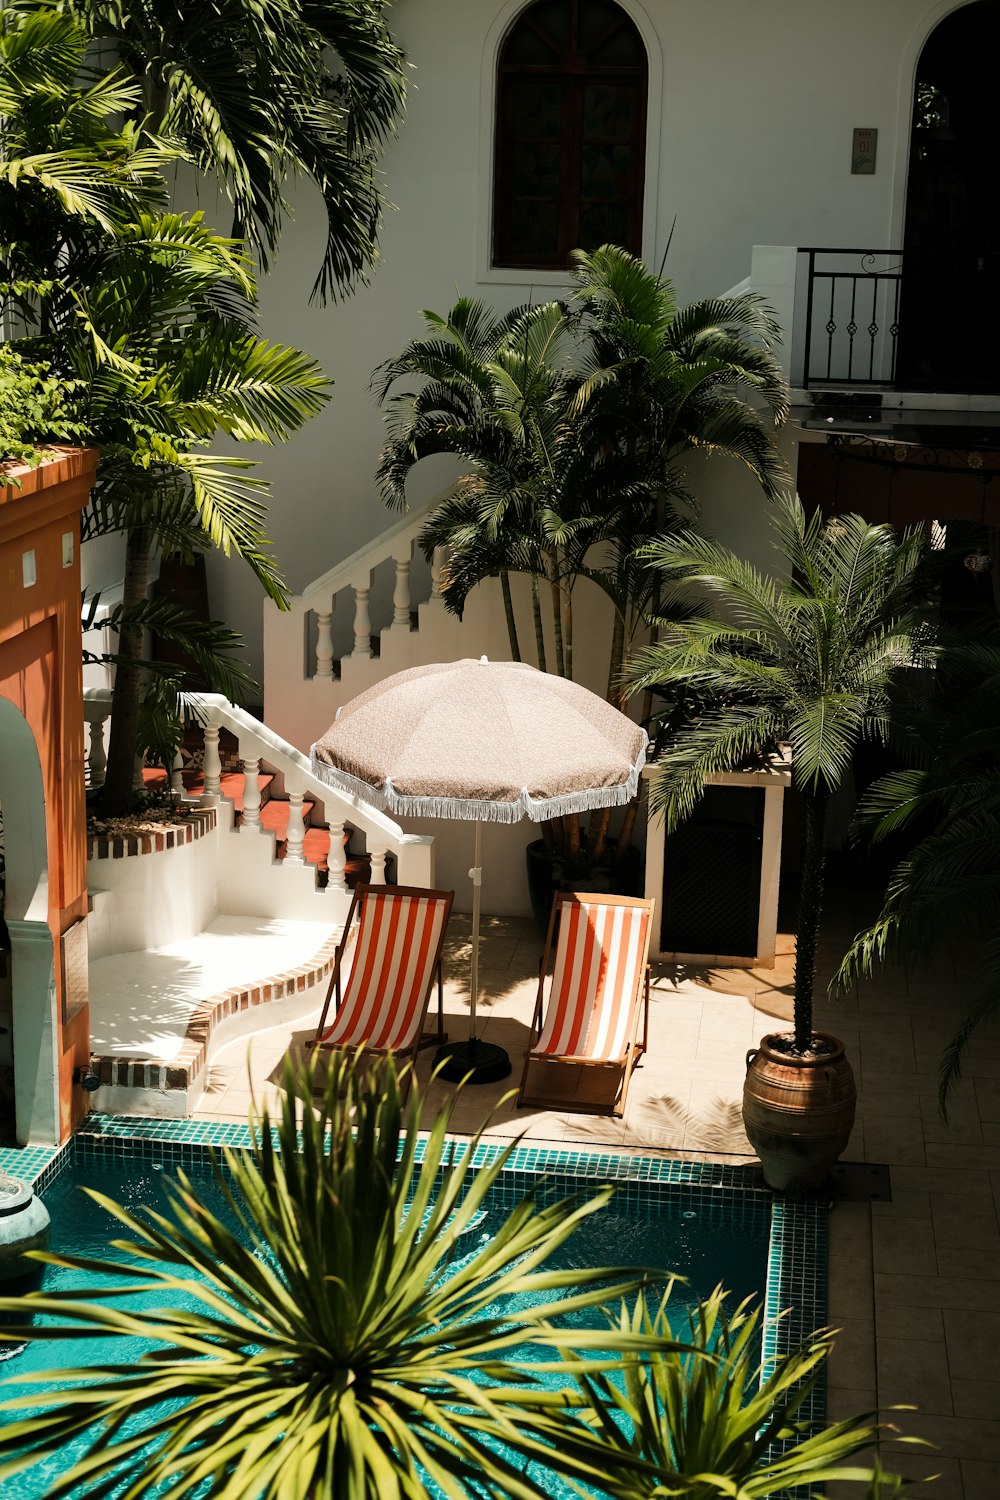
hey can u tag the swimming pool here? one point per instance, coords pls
(709, 1223)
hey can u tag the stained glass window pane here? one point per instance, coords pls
(603, 224)
(537, 110)
(535, 170)
(605, 171)
(608, 112)
(533, 229)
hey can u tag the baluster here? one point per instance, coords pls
(176, 779)
(296, 830)
(362, 623)
(97, 759)
(211, 764)
(324, 643)
(437, 570)
(401, 595)
(336, 860)
(378, 865)
(138, 780)
(251, 795)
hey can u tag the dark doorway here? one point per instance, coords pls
(950, 301)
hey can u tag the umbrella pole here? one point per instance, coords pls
(473, 1061)
(476, 876)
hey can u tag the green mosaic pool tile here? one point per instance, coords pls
(27, 1163)
(796, 1278)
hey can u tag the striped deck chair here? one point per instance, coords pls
(587, 1045)
(393, 961)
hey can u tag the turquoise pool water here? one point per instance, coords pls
(704, 1228)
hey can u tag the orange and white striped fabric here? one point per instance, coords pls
(395, 953)
(600, 961)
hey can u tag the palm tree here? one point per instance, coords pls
(347, 1340)
(147, 316)
(258, 94)
(573, 422)
(806, 660)
(946, 890)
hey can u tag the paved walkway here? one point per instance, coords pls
(914, 1283)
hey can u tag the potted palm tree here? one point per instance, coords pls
(807, 660)
(572, 421)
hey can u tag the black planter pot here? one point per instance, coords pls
(548, 873)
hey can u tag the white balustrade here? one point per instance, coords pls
(438, 564)
(251, 795)
(176, 779)
(97, 758)
(401, 593)
(362, 622)
(378, 864)
(211, 764)
(336, 860)
(295, 837)
(138, 780)
(324, 643)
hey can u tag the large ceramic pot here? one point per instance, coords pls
(798, 1111)
(548, 874)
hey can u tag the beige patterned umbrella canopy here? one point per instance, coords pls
(493, 741)
(490, 741)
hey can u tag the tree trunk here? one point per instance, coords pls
(508, 609)
(116, 798)
(807, 925)
(536, 614)
(557, 627)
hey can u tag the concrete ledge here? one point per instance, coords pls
(157, 1017)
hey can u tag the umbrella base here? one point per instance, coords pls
(472, 1060)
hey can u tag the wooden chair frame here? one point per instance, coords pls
(424, 1039)
(625, 1063)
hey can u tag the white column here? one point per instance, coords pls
(176, 779)
(362, 621)
(324, 643)
(401, 595)
(251, 795)
(378, 865)
(97, 759)
(437, 568)
(296, 830)
(211, 764)
(336, 860)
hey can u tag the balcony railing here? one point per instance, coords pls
(900, 320)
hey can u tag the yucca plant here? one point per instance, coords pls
(708, 1421)
(347, 1343)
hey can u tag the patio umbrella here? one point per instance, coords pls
(490, 742)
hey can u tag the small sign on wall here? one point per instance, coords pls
(76, 989)
(863, 153)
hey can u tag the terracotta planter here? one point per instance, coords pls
(798, 1112)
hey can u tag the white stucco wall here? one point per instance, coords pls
(751, 113)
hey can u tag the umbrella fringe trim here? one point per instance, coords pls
(388, 799)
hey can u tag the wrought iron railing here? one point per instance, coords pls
(898, 320)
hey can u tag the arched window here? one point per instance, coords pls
(571, 128)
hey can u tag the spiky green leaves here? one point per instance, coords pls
(346, 1340)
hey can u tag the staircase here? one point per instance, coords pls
(225, 922)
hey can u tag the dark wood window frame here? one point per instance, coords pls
(573, 72)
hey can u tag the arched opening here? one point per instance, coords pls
(951, 240)
(28, 1067)
(569, 166)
